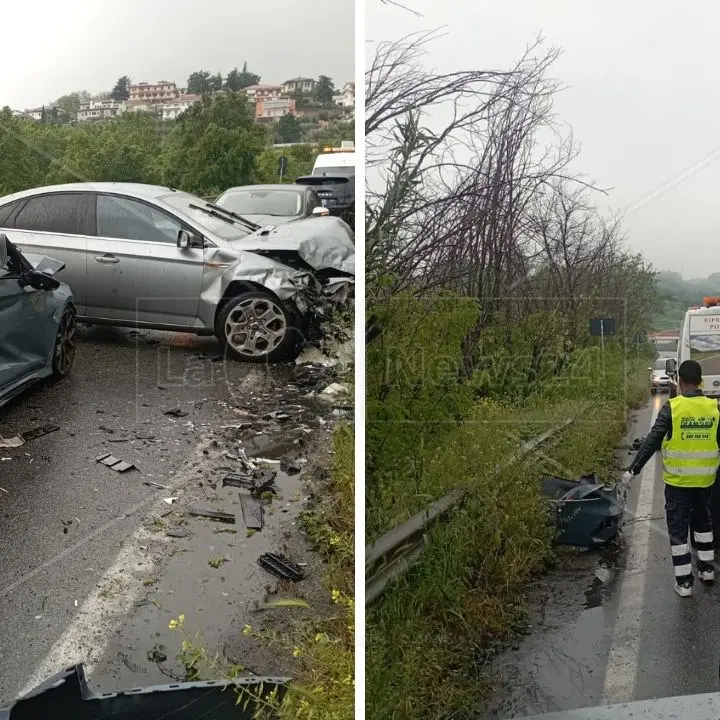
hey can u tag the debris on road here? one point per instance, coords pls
(177, 532)
(115, 463)
(169, 500)
(281, 567)
(290, 466)
(176, 412)
(336, 389)
(212, 514)
(37, 432)
(252, 511)
(258, 482)
(155, 485)
(587, 513)
(11, 442)
(131, 666)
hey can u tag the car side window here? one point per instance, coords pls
(67, 213)
(128, 219)
(6, 211)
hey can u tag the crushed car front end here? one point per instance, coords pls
(308, 266)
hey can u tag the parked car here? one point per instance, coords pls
(333, 178)
(272, 204)
(154, 257)
(37, 321)
(659, 378)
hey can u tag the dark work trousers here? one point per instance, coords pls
(686, 508)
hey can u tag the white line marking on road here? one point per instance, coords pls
(622, 664)
(88, 635)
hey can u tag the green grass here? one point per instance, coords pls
(432, 633)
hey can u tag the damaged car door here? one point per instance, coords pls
(137, 270)
(26, 333)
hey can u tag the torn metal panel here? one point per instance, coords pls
(281, 567)
(213, 514)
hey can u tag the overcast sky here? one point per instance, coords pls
(642, 95)
(51, 48)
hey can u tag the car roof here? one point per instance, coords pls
(268, 186)
(149, 192)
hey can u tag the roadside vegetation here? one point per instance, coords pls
(214, 145)
(486, 262)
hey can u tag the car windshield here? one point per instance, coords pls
(660, 364)
(208, 216)
(338, 170)
(280, 203)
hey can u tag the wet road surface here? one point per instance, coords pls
(608, 627)
(81, 545)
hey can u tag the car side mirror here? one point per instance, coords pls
(320, 211)
(184, 239)
(39, 281)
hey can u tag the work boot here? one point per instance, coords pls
(706, 573)
(684, 588)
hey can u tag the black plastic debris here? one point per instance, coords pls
(175, 412)
(252, 511)
(67, 695)
(290, 466)
(257, 482)
(115, 463)
(37, 432)
(212, 514)
(281, 567)
(587, 513)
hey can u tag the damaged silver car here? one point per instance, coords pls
(154, 257)
(37, 321)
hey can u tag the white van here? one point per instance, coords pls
(336, 161)
(700, 340)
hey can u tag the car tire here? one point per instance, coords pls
(264, 329)
(64, 349)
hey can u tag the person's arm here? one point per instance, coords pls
(654, 439)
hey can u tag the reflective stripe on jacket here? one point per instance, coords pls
(691, 455)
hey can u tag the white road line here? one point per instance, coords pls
(99, 615)
(621, 669)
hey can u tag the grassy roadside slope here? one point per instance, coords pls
(437, 626)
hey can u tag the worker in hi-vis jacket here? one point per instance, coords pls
(687, 431)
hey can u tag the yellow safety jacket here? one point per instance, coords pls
(691, 456)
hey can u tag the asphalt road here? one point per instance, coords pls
(608, 627)
(78, 548)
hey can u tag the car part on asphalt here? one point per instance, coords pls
(175, 412)
(155, 485)
(11, 442)
(281, 567)
(34, 433)
(115, 463)
(177, 532)
(586, 512)
(258, 482)
(290, 466)
(212, 514)
(67, 693)
(252, 511)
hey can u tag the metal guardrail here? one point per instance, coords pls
(391, 555)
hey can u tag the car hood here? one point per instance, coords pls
(324, 243)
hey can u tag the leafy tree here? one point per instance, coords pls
(288, 129)
(324, 90)
(199, 83)
(70, 103)
(213, 146)
(121, 91)
(237, 80)
(216, 83)
(300, 162)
